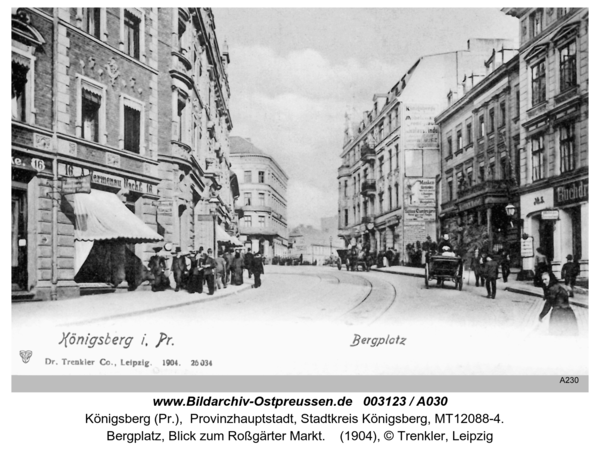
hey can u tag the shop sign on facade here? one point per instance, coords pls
(476, 202)
(418, 214)
(30, 163)
(550, 215)
(419, 191)
(165, 207)
(81, 184)
(419, 127)
(571, 193)
(527, 247)
(107, 180)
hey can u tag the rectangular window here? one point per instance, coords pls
(247, 199)
(537, 155)
(504, 168)
(181, 103)
(481, 172)
(492, 170)
(261, 221)
(450, 183)
(459, 140)
(261, 199)
(469, 176)
(261, 177)
(561, 12)
(132, 35)
(568, 67)
(345, 217)
(20, 85)
(247, 177)
(502, 114)
(469, 133)
(132, 129)
(397, 188)
(481, 126)
(90, 115)
(381, 203)
(538, 83)
(390, 160)
(345, 189)
(492, 120)
(381, 167)
(535, 23)
(248, 221)
(92, 21)
(449, 146)
(567, 148)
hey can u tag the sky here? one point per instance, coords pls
(295, 72)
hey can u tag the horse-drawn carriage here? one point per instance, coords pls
(354, 259)
(441, 268)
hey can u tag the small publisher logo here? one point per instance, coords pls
(25, 355)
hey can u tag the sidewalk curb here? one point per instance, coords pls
(398, 273)
(539, 295)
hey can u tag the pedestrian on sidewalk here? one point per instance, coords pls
(491, 275)
(562, 318)
(158, 265)
(228, 256)
(540, 263)
(196, 276)
(477, 263)
(248, 258)
(505, 264)
(220, 271)
(257, 270)
(569, 273)
(237, 270)
(178, 267)
(209, 266)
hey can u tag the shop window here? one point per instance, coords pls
(568, 66)
(567, 147)
(537, 155)
(20, 89)
(538, 83)
(131, 34)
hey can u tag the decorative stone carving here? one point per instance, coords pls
(41, 142)
(67, 147)
(91, 62)
(112, 68)
(113, 159)
(132, 82)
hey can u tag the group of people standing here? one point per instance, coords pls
(195, 269)
(487, 266)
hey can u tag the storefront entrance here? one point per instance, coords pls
(19, 239)
(547, 238)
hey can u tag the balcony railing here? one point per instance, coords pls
(344, 171)
(368, 187)
(367, 153)
(489, 186)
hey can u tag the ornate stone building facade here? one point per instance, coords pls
(262, 206)
(96, 165)
(554, 155)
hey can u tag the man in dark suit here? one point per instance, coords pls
(178, 267)
(157, 267)
(490, 271)
(257, 269)
(209, 272)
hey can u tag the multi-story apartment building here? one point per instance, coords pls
(554, 162)
(387, 181)
(90, 145)
(262, 205)
(479, 163)
(196, 200)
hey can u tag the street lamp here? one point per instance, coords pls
(510, 211)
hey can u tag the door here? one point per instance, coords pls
(547, 238)
(19, 240)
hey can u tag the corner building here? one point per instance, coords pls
(262, 206)
(554, 157)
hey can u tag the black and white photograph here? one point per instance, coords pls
(205, 192)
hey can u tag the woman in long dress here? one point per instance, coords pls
(237, 270)
(562, 318)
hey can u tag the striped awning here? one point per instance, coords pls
(101, 215)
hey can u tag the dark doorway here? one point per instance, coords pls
(19, 239)
(547, 238)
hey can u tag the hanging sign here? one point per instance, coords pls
(82, 184)
(527, 247)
